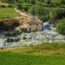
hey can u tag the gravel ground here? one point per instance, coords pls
(34, 38)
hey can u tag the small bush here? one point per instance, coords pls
(61, 27)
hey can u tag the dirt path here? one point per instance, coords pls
(22, 13)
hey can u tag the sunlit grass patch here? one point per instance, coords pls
(8, 12)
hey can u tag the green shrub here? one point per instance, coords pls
(61, 27)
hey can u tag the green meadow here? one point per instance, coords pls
(8, 12)
(18, 59)
(42, 54)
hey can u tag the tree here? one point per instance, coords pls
(63, 1)
(31, 1)
(19, 6)
(10, 1)
(49, 2)
(61, 27)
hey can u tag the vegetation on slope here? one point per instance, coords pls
(46, 10)
(1, 3)
(61, 26)
(8, 13)
(51, 10)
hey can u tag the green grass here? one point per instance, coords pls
(42, 54)
(47, 49)
(18, 59)
(41, 49)
(8, 12)
(1, 3)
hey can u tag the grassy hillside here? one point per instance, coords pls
(8, 12)
(52, 10)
